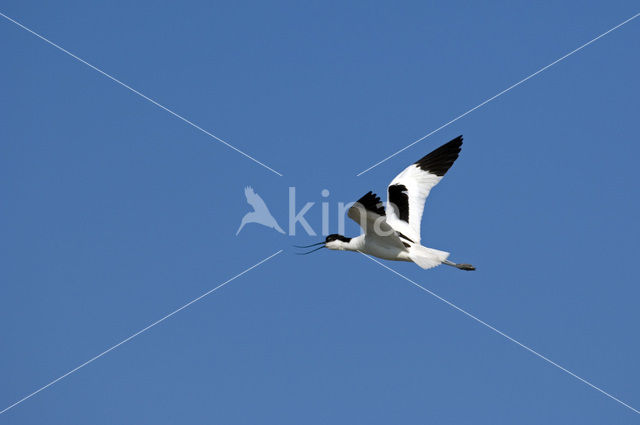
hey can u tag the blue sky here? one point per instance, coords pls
(115, 213)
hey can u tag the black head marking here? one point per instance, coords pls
(440, 160)
(337, 237)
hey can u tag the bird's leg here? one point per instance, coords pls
(468, 267)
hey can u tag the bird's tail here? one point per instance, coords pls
(427, 257)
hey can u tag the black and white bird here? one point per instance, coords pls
(394, 233)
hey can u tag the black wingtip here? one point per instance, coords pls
(371, 202)
(440, 160)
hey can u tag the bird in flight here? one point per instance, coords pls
(394, 233)
(260, 213)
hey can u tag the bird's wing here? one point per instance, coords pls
(407, 193)
(254, 199)
(368, 212)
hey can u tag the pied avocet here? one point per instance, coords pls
(394, 234)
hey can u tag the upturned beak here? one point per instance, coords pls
(309, 246)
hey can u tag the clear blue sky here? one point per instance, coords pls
(114, 213)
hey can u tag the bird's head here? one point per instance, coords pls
(336, 241)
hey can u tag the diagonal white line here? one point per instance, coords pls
(499, 332)
(129, 338)
(175, 114)
(544, 68)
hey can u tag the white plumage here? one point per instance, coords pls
(418, 184)
(394, 233)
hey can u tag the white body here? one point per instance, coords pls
(421, 255)
(374, 247)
